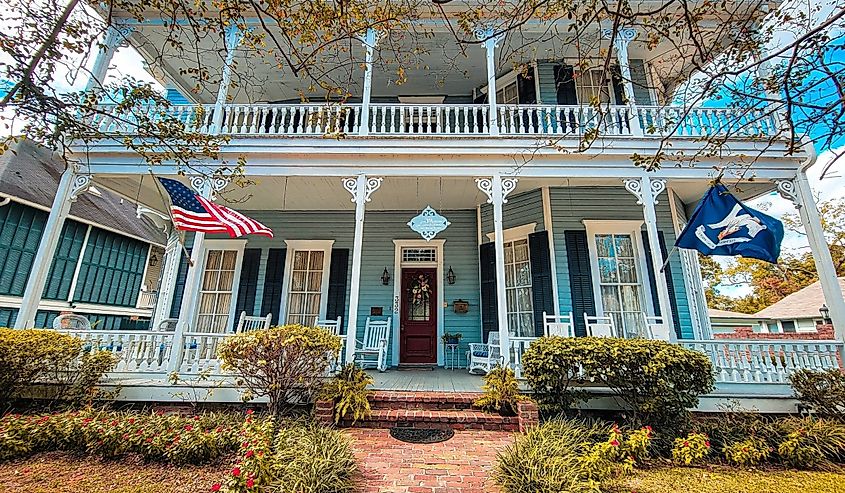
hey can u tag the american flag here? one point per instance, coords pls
(192, 212)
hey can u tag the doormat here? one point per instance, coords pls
(415, 368)
(421, 435)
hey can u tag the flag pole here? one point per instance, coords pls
(663, 267)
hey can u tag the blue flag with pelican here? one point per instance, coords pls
(722, 225)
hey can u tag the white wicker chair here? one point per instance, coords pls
(600, 326)
(485, 357)
(70, 321)
(249, 323)
(558, 325)
(373, 349)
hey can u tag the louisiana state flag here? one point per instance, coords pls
(722, 225)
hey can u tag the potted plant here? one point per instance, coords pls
(452, 338)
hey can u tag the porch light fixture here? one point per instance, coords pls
(450, 276)
(153, 260)
(385, 277)
(440, 2)
(824, 311)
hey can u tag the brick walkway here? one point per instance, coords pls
(459, 465)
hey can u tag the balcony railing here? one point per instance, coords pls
(469, 120)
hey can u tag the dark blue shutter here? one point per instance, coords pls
(618, 84)
(338, 269)
(565, 85)
(489, 304)
(580, 278)
(271, 301)
(670, 284)
(248, 284)
(541, 278)
(179, 285)
(526, 87)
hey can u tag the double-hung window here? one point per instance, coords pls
(518, 288)
(307, 284)
(593, 84)
(219, 283)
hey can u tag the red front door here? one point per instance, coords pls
(418, 320)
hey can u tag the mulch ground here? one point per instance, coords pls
(58, 472)
(461, 464)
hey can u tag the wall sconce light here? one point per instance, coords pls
(385, 277)
(824, 311)
(450, 276)
(153, 260)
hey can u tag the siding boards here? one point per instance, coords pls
(64, 262)
(20, 232)
(522, 208)
(112, 269)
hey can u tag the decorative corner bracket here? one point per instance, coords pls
(486, 186)
(160, 220)
(635, 187)
(371, 38)
(787, 190)
(81, 184)
(210, 185)
(487, 34)
(371, 185)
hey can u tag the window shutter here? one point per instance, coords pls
(271, 301)
(541, 278)
(670, 284)
(580, 278)
(639, 79)
(565, 84)
(489, 305)
(526, 85)
(248, 283)
(336, 303)
(179, 285)
(618, 84)
(64, 261)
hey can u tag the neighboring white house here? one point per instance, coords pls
(798, 312)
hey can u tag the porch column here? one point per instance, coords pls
(646, 190)
(621, 40)
(207, 187)
(233, 37)
(486, 34)
(801, 194)
(497, 189)
(169, 273)
(72, 183)
(370, 40)
(361, 189)
(116, 36)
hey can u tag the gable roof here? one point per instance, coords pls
(31, 173)
(804, 303)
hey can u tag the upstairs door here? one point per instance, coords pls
(418, 320)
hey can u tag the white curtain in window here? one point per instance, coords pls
(216, 291)
(518, 289)
(306, 287)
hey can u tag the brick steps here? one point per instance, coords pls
(431, 401)
(455, 419)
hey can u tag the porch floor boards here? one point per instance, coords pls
(436, 380)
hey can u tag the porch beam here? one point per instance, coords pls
(72, 183)
(370, 40)
(361, 188)
(117, 35)
(646, 190)
(207, 187)
(497, 189)
(233, 38)
(488, 35)
(801, 194)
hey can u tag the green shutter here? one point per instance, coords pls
(580, 278)
(541, 278)
(65, 260)
(20, 233)
(112, 269)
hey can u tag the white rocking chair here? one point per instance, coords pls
(249, 323)
(332, 326)
(374, 345)
(485, 357)
(657, 328)
(558, 325)
(600, 326)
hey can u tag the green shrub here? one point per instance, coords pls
(821, 391)
(749, 452)
(501, 392)
(164, 438)
(33, 355)
(292, 457)
(732, 426)
(285, 364)
(568, 456)
(657, 380)
(348, 390)
(811, 443)
(691, 450)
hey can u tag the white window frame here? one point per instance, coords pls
(398, 245)
(633, 228)
(292, 247)
(217, 244)
(509, 236)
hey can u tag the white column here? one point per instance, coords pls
(497, 189)
(801, 194)
(547, 225)
(71, 184)
(233, 37)
(486, 34)
(207, 187)
(116, 35)
(169, 274)
(361, 189)
(369, 41)
(621, 40)
(646, 190)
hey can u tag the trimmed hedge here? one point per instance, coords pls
(656, 380)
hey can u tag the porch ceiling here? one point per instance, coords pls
(326, 193)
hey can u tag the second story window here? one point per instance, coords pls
(593, 83)
(508, 94)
